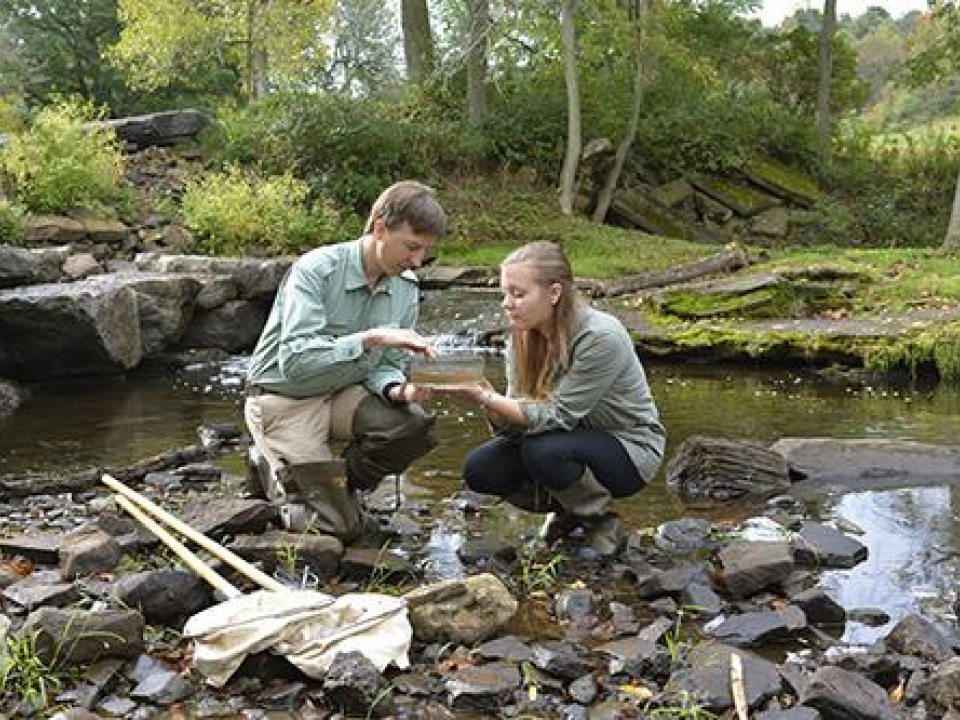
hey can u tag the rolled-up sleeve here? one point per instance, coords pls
(392, 366)
(306, 350)
(592, 374)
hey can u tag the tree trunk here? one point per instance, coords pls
(825, 62)
(257, 85)
(477, 65)
(417, 40)
(568, 175)
(639, 81)
(952, 241)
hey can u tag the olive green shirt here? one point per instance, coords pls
(311, 344)
(604, 388)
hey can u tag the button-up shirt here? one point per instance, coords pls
(311, 344)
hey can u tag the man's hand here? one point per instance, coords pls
(407, 392)
(402, 338)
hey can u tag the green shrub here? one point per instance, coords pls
(12, 218)
(348, 149)
(61, 161)
(236, 212)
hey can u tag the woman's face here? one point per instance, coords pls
(529, 304)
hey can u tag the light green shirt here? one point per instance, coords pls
(311, 344)
(604, 388)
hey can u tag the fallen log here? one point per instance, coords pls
(728, 260)
(719, 470)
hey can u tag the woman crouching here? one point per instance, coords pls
(577, 426)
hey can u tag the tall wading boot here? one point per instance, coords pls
(588, 504)
(318, 498)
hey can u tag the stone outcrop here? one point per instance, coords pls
(109, 323)
(161, 128)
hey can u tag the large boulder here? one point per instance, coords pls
(61, 330)
(162, 128)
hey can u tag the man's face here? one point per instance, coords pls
(400, 248)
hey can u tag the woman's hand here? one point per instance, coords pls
(402, 338)
(473, 394)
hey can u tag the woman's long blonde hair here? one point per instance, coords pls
(538, 356)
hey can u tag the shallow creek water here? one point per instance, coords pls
(913, 534)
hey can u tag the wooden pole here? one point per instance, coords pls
(228, 556)
(182, 551)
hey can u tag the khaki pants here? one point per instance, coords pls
(383, 438)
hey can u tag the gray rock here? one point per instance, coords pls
(564, 659)
(42, 589)
(795, 713)
(158, 129)
(820, 608)
(837, 693)
(869, 464)
(871, 617)
(915, 635)
(81, 265)
(641, 656)
(584, 690)
(86, 327)
(942, 690)
(750, 629)
(164, 597)
(229, 516)
(318, 553)
(19, 266)
(708, 677)
(166, 309)
(86, 552)
(747, 567)
(576, 604)
(820, 546)
(162, 686)
(685, 535)
(774, 223)
(234, 326)
(355, 686)
(482, 688)
(467, 611)
(216, 292)
(701, 600)
(508, 647)
(72, 635)
(42, 548)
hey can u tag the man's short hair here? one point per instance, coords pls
(411, 202)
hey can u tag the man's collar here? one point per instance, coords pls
(355, 278)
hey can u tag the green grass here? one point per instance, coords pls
(492, 216)
(903, 279)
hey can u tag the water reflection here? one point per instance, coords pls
(913, 546)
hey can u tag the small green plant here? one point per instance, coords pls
(237, 211)
(24, 675)
(676, 643)
(61, 161)
(12, 217)
(686, 707)
(288, 558)
(537, 573)
(383, 578)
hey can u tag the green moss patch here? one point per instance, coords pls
(783, 181)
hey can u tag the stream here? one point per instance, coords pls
(913, 534)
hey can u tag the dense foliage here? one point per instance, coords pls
(61, 161)
(314, 117)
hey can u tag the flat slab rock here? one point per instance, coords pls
(867, 464)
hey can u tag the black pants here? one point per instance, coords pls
(553, 460)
